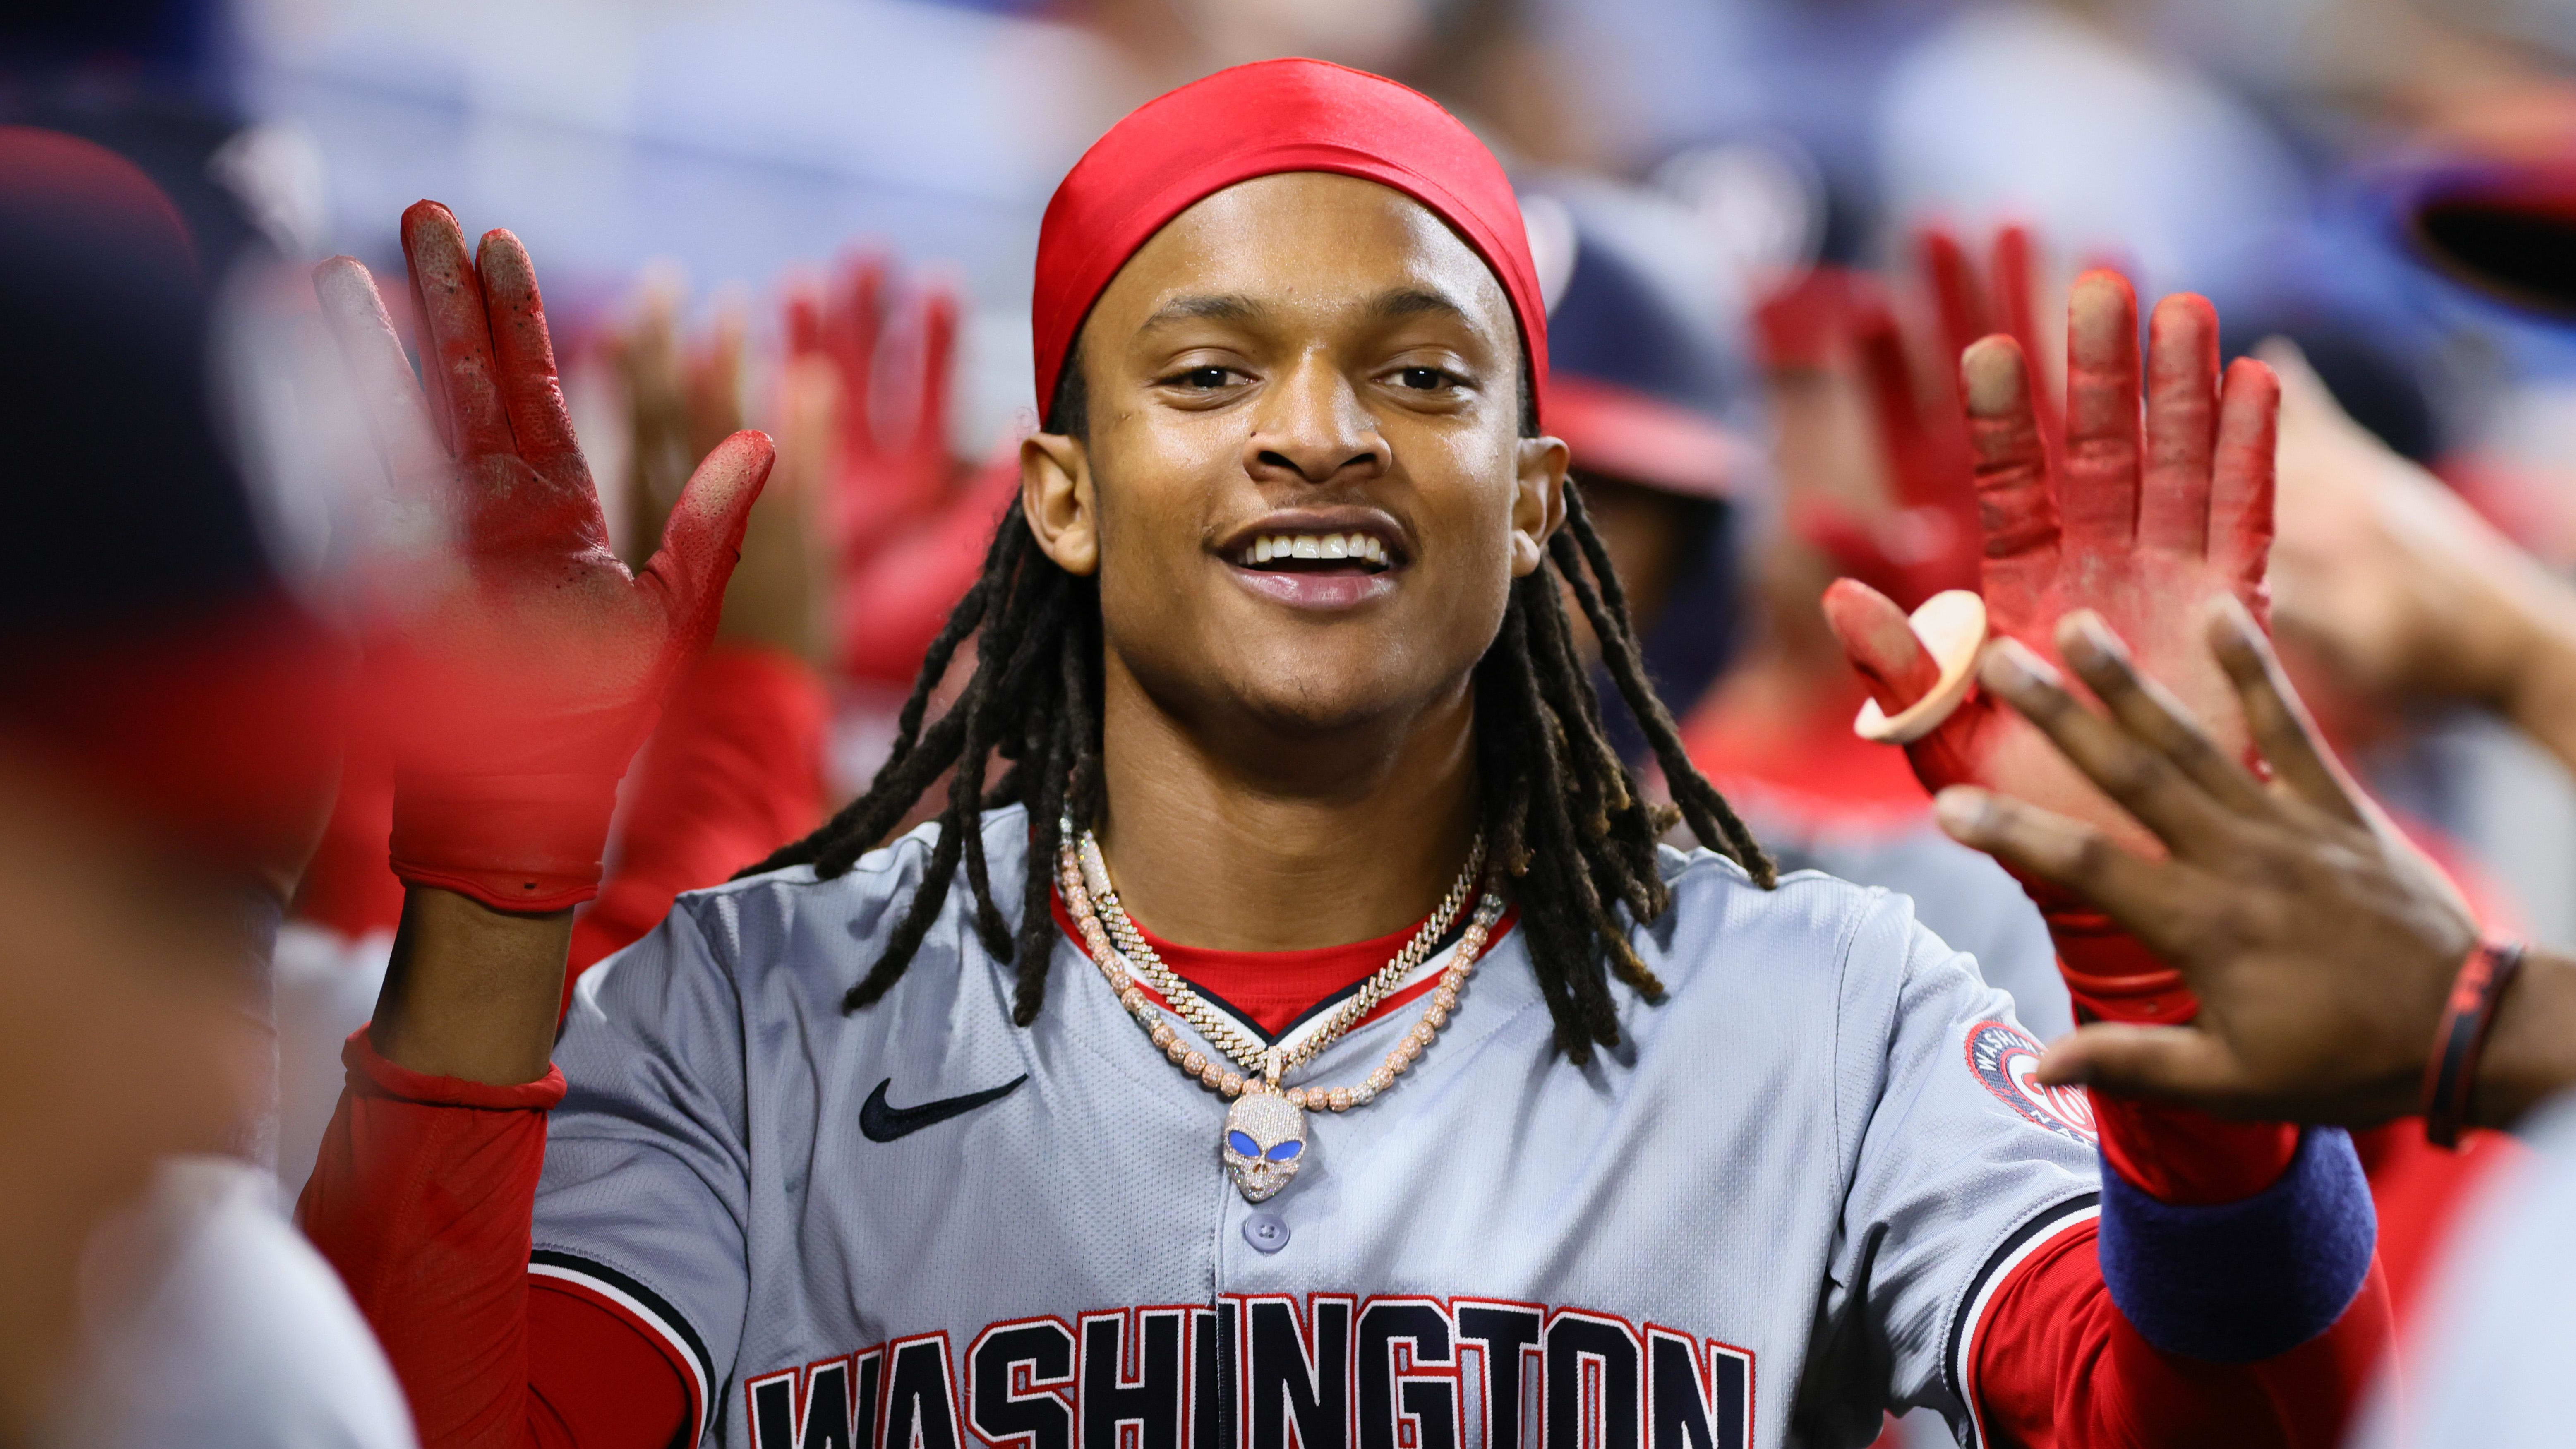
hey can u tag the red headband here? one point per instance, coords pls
(1260, 120)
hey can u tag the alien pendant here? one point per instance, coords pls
(1264, 1145)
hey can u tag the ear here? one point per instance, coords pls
(1538, 501)
(1056, 497)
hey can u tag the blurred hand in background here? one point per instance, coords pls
(684, 395)
(2398, 590)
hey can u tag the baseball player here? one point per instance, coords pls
(1318, 1048)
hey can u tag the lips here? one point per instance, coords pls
(1320, 563)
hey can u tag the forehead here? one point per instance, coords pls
(1308, 240)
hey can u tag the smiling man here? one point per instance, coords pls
(1320, 1048)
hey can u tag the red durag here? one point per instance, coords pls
(1262, 119)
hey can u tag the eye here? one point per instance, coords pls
(1424, 379)
(1242, 1144)
(1286, 1151)
(1203, 379)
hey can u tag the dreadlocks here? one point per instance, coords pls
(1561, 811)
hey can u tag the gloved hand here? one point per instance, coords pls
(1926, 538)
(883, 477)
(2144, 527)
(516, 664)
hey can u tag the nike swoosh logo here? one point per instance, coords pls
(881, 1123)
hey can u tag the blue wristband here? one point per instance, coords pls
(2241, 1281)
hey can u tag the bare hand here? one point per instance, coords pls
(2320, 945)
(2397, 586)
(684, 394)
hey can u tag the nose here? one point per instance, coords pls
(1312, 428)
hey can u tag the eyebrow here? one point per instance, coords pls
(1223, 307)
(1235, 307)
(1415, 302)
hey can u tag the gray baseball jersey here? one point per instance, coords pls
(1778, 1206)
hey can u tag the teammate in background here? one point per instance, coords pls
(167, 719)
(1274, 659)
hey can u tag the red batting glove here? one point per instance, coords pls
(1927, 539)
(2144, 526)
(882, 477)
(516, 663)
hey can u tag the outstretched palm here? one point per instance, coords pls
(2142, 524)
(522, 665)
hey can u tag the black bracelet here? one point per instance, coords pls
(2467, 1020)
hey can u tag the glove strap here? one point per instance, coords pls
(513, 842)
(2468, 1018)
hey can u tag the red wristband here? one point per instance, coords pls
(2468, 1018)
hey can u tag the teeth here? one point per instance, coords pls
(1315, 546)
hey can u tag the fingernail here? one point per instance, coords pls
(1961, 809)
(2097, 635)
(2010, 665)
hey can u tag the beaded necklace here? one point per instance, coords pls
(1264, 1142)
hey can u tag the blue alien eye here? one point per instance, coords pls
(1286, 1151)
(1243, 1145)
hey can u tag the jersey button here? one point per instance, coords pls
(1266, 1232)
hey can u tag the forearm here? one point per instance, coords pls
(472, 993)
(2532, 1054)
(2540, 696)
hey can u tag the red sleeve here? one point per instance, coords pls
(2055, 1366)
(734, 771)
(423, 1199)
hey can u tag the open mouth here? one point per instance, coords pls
(1316, 553)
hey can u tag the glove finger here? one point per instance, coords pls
(803, 319)
(1880, 644)
(2099, 502)
(702, 539)
(858, 329)
(397, 415)
(2241, 476)
(531, 389)
(2016, 506)
(1888, 376)
(456, 350)
(1958, 304)
(2016, 287)
(2182, 426)
(938, 353)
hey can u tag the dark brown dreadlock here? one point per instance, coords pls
(1561, 811)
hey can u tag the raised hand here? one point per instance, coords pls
(684, 396)
(1926, 539)
(2320, 945)
(519, 664)
(2142, 524)
(884, 476)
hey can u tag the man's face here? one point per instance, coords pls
(1304, 489)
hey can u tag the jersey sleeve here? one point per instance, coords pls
(1963, 1166)
(644, 1197)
